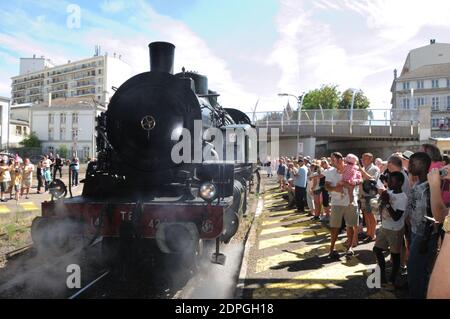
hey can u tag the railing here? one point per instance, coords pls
(370, 123)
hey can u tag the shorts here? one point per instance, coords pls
(281, 178)
(325, 198)
(390, 239)
(26, 183)
(4, 186)
(17, 188)
(349, 213)
(365, 203)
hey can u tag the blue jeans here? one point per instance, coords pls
(420, 265)
(74, 178)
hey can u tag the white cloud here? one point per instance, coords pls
(401, 20)
(112, 6)
(313, 50)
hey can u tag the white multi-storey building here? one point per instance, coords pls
(425, 80)
(4, 113)
(66, 124)
(40, 81)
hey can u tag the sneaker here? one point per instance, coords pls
(315, 218)
(334, 254)
(368, 240)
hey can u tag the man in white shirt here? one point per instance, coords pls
(340, 207)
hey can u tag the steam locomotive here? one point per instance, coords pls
(136, 194)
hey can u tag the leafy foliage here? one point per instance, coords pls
(31, 141)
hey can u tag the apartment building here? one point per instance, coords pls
(40, 81)
(66, 123)
(425, 80)
(4, 113)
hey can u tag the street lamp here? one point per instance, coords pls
(299, 111)
(355, 91)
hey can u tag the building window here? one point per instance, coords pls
(448, 82)
(420, 84)
(435, 104)
(18, 130)
(25, 131)
(51, 119)
(63, 118)
(51, 149)
(405, 85)
(62, 134)
(86, 151)
(435, 84)
(75, 118)
(434, 123)
(50, 134)
(406, 104)
(420, 101)
(99, 72)
(448, 103)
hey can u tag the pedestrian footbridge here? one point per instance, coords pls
(342, 124)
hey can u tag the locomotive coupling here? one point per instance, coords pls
(177, 238)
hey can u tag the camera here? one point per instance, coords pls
(443, 172)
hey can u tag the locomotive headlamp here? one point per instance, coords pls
(208, 191)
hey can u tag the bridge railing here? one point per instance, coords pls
(372, 122)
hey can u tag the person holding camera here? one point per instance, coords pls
(369, 172)
(439, 287)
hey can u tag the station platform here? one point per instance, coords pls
(287, 257)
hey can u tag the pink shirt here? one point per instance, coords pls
(445, 184)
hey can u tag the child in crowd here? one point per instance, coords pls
(392, 211)
(351, 175)
(17, 180)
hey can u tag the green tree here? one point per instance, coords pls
(63, 151)
(327, 96)
(361, 101)
(31, 141)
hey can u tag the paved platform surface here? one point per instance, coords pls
(13, 210)
(288, 258)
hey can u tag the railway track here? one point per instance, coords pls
(86, 289)
(36, 268)
(16, 252)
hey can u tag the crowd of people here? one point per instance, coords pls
(399, 204)
(16, 174)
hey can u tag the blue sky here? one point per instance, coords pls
(250, 49)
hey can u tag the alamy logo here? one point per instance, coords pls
(374, 279)
(74, 18)
(73, 281)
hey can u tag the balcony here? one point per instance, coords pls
(80, 85)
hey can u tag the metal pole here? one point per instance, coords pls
(351, 107)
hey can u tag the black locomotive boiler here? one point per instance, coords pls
(135, 194)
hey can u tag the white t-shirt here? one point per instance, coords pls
(398, 202)
(339, 199)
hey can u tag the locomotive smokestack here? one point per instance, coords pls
(162, 56)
